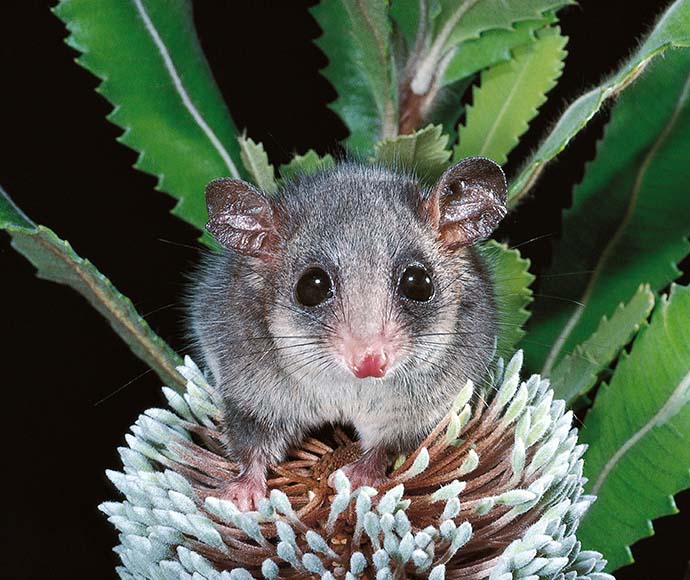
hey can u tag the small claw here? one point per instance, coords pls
(369, 470)
(244, 491)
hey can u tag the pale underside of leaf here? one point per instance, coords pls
(256, 163)
(55, 260)
(512, 294)
(628, 224)
(306, 164)
(424, 153)
(639, 435)
(509, 98)
(672, 30)
(154, 73)
(577, 373)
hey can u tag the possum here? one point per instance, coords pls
(352, 295)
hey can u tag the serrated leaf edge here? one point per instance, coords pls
(611, 87)
(160, 356)
(177, 83)
(562, 337)
(556, 68)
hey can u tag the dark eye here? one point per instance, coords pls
(313, 287)
(416, 284)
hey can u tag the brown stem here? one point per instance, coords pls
(411, 106)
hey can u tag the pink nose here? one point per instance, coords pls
(371, 365)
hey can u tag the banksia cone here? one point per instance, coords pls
(494, 492)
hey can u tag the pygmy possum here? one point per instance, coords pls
(353, 295)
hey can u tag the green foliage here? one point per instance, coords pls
(371, 34)
(629, 220)
(447, 112)
(356, 41)
(512, 293)
(153, 71)
(263, 175)
(460, 21)
(577, 373)
(424, 152)
(406, 16)
(509, 97)
(492, 48)
(305, 164)
(489, 47)
(448, 24)
(622, 239)
(671, 30)
(257, 165)
(638, 434)
(55, 260)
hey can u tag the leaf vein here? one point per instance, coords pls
(642, 172)
(660, 416)
(181, 90)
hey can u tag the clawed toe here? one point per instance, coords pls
(244, 492)
(369, 470)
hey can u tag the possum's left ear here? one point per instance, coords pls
(241, 218)
(467, 203)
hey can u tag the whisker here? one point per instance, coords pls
(122, 388)
(178, 244)
(560, 299)
(159, 309)
(277, 348)
(576, 273)
(534, 239)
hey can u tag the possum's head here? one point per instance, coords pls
(368, 272)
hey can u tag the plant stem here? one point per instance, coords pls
(422, 83)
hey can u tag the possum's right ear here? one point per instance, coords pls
(467, 203)
(240, 217)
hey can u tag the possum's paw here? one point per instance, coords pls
(244, 491)
(370, 469)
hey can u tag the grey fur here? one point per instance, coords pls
(363, 225)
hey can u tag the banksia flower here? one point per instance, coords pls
(494, 492)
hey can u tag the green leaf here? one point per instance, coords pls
(305, 164)
(464, 20)
(11, 217)
(356, 40)
(577, 373)
(256, 163)
(153, 71)
(638, 434)
(456, 22)
(56, 260)
(512, 293)
(630, 216)
(371, 33)
(423, 152)
(406, 15)
(673, 29)
(448, 109)
(509, 98)
(492, 48)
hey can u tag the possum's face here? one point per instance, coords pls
(370, 275)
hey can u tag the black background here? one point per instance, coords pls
(70, 388)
